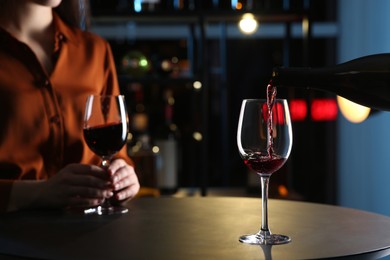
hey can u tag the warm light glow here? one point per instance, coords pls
(197, 136)
(353, 112)
(129, 137)
(197, 85)
(248, 24)
(166, 65)
(155, 149)
(283, 191)
(305, 26)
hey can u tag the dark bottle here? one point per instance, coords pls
(139, 146)
(365, 80)
(167, 163)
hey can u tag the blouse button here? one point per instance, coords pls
(60, 37)
(46, 83)
(43, 82)
(55, 119)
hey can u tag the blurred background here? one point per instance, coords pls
(185, 66)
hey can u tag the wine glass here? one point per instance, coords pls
(264, 140)
(105, 132)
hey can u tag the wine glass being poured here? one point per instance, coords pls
(264, 140)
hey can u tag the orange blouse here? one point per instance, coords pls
(41, 116)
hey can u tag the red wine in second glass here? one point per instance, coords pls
(264, 165)
(106, 140)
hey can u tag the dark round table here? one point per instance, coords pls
(196, 228)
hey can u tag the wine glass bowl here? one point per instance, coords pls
(264, 140)
(105, 132)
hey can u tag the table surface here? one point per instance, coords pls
(196, 228)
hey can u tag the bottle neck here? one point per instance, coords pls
(365, 80)
(368, 87)
(291, 77)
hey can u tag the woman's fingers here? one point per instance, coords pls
(127, 193)
(88, 174)
(89, 192)
(89, 181)
(124, 180)
(88, 185)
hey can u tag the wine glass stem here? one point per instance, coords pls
(264, 200)
(105, 164)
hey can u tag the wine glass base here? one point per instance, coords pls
(272, 239)
(111, 210)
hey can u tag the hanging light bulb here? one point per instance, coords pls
(353, 112)
(248, 23)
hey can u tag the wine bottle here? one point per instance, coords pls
(167, 156)
(139, 146)
(365, 80)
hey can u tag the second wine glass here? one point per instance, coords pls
(264, 140)
(105, 132)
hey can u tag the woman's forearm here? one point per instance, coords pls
(25, 194)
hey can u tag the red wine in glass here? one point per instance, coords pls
(264, 164)
(106, 140)
(105, 132)
(264, 140)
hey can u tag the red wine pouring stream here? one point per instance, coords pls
(271, 95)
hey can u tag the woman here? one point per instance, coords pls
(48, 66)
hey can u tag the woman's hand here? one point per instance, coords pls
(124, 180)
(76, 185)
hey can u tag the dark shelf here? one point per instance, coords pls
(147, 80)
(243, 65)
(193, 17)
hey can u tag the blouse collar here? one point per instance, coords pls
(64, 31)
